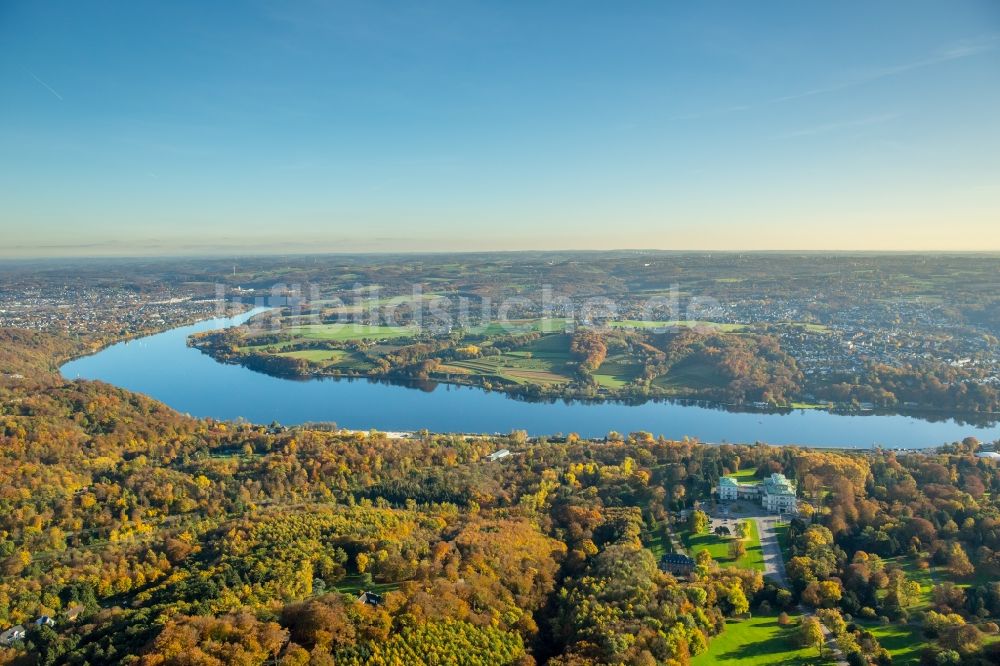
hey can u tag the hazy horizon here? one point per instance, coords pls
(190, 130)
(228, 255)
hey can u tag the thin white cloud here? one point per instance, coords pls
(963, 49)
(837, 126)
(47, 86)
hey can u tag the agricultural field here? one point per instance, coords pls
(617, 372)
(349, 331)
(519, 370)
(689, 376)
(769, 355)
(543, 362)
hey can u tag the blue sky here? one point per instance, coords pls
(190, 127)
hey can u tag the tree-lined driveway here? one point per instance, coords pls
(774, 563)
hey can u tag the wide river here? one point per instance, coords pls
(164, 367)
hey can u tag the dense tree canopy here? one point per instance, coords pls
(173, 540)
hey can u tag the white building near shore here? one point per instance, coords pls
(775, 493)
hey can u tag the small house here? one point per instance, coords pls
(370, 599)
(45, 621)
(12, 635)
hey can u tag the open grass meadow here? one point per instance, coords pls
(689, 375)
(905, 641)
(617, 372)
(316, 355)
(758, 641)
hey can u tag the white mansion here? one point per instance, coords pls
(775, 493)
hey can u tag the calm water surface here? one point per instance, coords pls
(164, 367)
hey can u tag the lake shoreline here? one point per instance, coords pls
(165, 368)
(984, 419)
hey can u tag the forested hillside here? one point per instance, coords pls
(149, 537)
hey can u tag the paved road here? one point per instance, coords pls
(829, 638)
(774, 563)
(832, 647)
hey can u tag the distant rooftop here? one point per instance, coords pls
(776, 484)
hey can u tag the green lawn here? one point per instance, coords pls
(759, 641)
(745, 475)
(903, 641)
(754, 559)
(656, 541)
(349, 331)
(926, 577)
(718, 547)
(934, 575)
